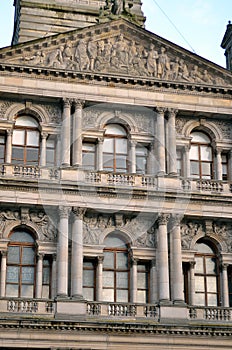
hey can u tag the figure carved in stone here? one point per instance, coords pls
(188, 231)
(163, 64)
(117, 7)
(195, 75)
(183, 71)
(45, 223)
(55, 58)
(7, 216)
(38, 58)
(81, 55)
(92, 53)
(151, 64)
(175, 69)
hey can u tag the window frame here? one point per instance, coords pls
(201, 161)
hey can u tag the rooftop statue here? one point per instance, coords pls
(117, 8)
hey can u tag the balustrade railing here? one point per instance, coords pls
(210, 313)
(210, 185)
(27, 171)
(24, 306)
(120, 179)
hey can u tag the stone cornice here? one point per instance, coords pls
(117, 79)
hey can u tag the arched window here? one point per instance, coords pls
(206, 275)
(25, 142)
(21, 260)
(115, 270)
(115, 149)
(201, 156)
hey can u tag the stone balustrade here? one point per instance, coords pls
(69, 175)
(27, 306)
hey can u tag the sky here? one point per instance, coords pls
(197, 25)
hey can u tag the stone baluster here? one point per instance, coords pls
(77, 133)
(177, 287)
(3, 274)
(39, 276)
(77, 253)
(172, 141)
(43, 149)
(161, 151)
(162, 258)
(66, 132)
(62, 252)
(9, 134)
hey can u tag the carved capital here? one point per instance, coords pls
(54, 257)
(224, 266)
(79, 212)
(66, 103)
(9, 132)
(100, 140)
(134, 261)
(40, 256)
(160, 110)
(100, 259)
(133, 143)
(64, 212)
(172, 112)
(192, 264)
(176, 219)
(78, 104)
(163, 219)
(4, 253)
(44, 135)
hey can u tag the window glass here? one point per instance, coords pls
(89, 277)
(18, 137)
(32, 138)
(200, 137)
(201, 156)
(194, 155)
(2, 148)
(115, 129)
(26, 121)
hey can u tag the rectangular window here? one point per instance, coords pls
(141, 159)
(88, 155)
(2, 148)
(179, 162)
(47, 267)
(89, 279)
(224, 167)
(143, 278)
(50, 151)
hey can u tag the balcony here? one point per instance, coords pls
(75, 176)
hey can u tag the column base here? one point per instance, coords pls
(77, 297)
(179, 302)
(62, 296)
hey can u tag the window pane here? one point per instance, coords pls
(200, 137)
(28, 275)
(199, 284)
(121, 162)
(27, 291)
(108, 261)
(108, 145)
(46, 275)
(108, 294)
(2, 152)
(50, 157)
(45, 292)
(141, 296)
(194, 168)
(108, 279)
(21, 236)
(121, 146)
(13, 255)
(206, 153)
(88, 160)
(18, 153)
(115, 129)
(114, 241)
(210, 265)
(141, 164)
(199, 265)
(12, 274)
(142, 280)
(206, 168)
(32, 138)
(12, 290)
(88, 278)
(211, 284)
(122, 261)
(212, 299)
(18, 137)
(108, 161)
(200, 299)
(122, 296)
(88, 293)
(32, 155)
(122, 279)
(194, 154)
(26, 121)
(28, 257)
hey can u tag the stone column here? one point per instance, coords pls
(161, 141)
(66, 133)
(58, 151)
(54, 273)
(186, 165)
(100, 154)
(62, 252)
(172, 141)
(177, 286)
(151, 161)
(9, 134)
(219, 163)
(162, 258)
(43, 149)
(77, 253)
(225, 288)
(192, 283)
(77, 133)
(154, 284)
(133, 280)
(133, 156)
(99, 284)
(3, 274)
(39, 276)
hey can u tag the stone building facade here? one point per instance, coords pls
(115, 182)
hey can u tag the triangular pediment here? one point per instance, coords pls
(116, 49)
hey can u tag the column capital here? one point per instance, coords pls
(160, 110)
(176, 219)
(66, 102)
(218, 150)
(44, 135)
(9, 132)
(54, 257)
(40, 256)
(100, 259)
(163, 219)
(134, 261)
(100, 140)
(133, 143)
(4, 253)
(172, 112)
(79, 212)
(192, 264)
(224, 266)
(78, 104)
(64, 212)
